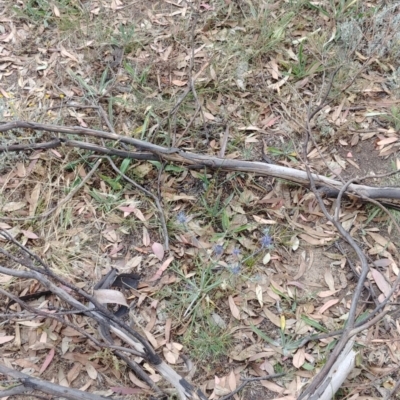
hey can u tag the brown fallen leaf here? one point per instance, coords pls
(47, 361)
(137, 381)
(327, 305)
(314, 241)
(272, 317)
(91, 371)
(234, 309)
(163, 267)
(158, 250)
(299, 358)
(62, 379)
(106, 296)
(126, 390)
(74, 372)
(381, 282)
(5, 339)
(13, 206)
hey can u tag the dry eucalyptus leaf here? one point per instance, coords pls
(299, 358)
(13, 206)
(106, 296)
(158, 250)
(234, 309)
(381, 282)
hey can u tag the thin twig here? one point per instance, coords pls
(16, 390)
(44, 314)
(30, 382)
(40, 273)
(385, 210)
(319, 378)
(224, 142)
(349, 330)
(364, 197)
(138, 370)
(57, 316)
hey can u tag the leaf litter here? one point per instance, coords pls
(264, 298)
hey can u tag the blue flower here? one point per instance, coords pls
(218, 249)
(235, 269)
(266, 241)
(236, 252)
(181, 217)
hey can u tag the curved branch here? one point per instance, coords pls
(188, 158)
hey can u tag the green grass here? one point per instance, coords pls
(239, 40)
(43, 12)
(194, 290)
(393, 118)
(207, 341)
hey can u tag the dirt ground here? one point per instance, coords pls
(235, 269)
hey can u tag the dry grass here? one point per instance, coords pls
(257, 66)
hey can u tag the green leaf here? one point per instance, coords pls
(241, 228)
(264, 336)
(157, 164)
(331, 345)
(174, 168)
(308, 367)
(274, 151)
(112, 182)
(145, 126)
(124, 166)
(313, 323)
(362, 316)
(225, 221)
(229, 199)
(279, 293)
(82, 83)
(103, 83)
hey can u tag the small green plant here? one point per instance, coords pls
(196, 289)
(36, 10)
(126, 38)
(286, 152)
(46, 12)
(139, 77)
(335, 9)
(95, 89)
(106, 201)
(215, 208)
(207, 341)
(393, 118)
(115, 182)
(303, 67)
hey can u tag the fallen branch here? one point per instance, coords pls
(341, 360)
(99, 313)
(179, 156)
(29, 383)
(319, 184)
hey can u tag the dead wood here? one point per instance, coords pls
(187, 158)
(29, 383)
(98, 312)
(341, 361)
(319, 184)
